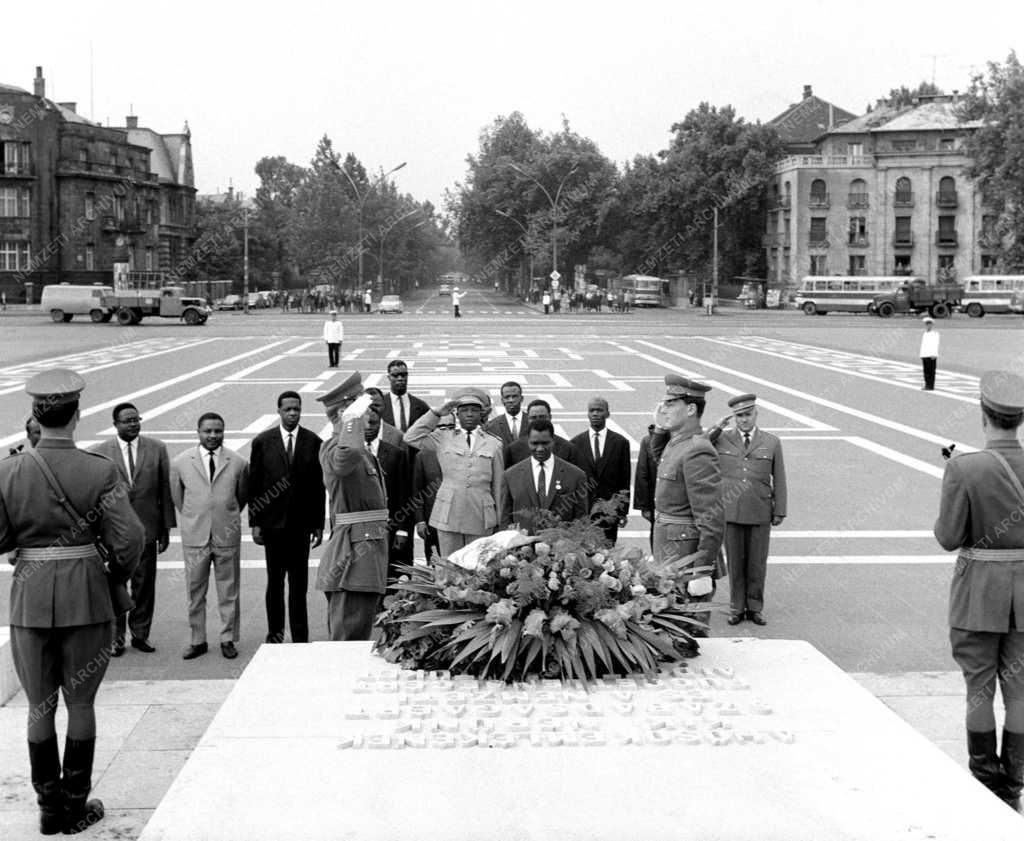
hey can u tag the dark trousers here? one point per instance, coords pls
(333, 353)
(457, 313)
(667, 548)
(287, 557)
(70, 660)
(928, 363)
(143, 591)
(746, 550)
(350, 614)
(399, 556)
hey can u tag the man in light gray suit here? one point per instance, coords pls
(144, 467)
(208, 486)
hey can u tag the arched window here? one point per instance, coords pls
(947, 192)
(819, 193)
(789, 193)
(858, 194)
(904, 194)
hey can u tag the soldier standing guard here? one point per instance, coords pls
(354, 566)
(981, 514)
(61, 611)
(689, 520)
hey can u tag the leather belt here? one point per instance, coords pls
(993, 555)
(673, 520)
(351, 518)
(58, 553)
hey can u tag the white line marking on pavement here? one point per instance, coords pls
(258, 425)
(313, 386)
(354, 354)
(895, 455)
(392, 354)
(163, 408)
(619, 385)
(238, 375)
(301, 347)
(634, 445)
(811, 398)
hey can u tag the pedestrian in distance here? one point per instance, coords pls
(209, 486)
(368, 301)
(755, 499)
(354, 565)
(546, 301)
(929, 353)
(456, 299)
(144, 468)
(61, 611)
(979, 518)
(334, 334)
(286, 513)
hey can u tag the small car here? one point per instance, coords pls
(230, 302)
(390, 303)
(446, 289)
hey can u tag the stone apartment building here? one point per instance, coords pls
(881, 194)
(79, 200)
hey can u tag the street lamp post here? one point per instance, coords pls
(361, 199)
(554, 207)
(526, 235)
(245, 260)
(383, 235)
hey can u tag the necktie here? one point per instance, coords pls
(746, 439)
(213, 467)
(597, 448)
(469, 440)
(542, 491)
(513, 425)
(289, 450)
(131, 465)
(402, 423)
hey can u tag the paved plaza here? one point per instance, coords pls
(854, 570)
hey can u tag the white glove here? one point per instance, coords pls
(357, 408)
(700, 586)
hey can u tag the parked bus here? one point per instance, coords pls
(990, 293)
(647, 291)
(820, 295)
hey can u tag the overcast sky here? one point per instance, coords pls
(417, 81)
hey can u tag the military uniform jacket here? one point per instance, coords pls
(356, 556)
(690, 486)
(753, 478)
(60, 593)
(471, 479)
(980, 509)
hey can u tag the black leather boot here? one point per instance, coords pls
(983, 761)
(79, 811)
(1013, 767)
(45, 760)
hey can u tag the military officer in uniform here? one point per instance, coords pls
(61, 612)
(353, 569)
(689, 519)
(980, 517)
(754, 494)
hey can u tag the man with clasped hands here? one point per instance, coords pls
(689, 519)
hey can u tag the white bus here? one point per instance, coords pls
(819, 295)
(990, 293)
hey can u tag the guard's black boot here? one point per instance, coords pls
(45, 760)
(79, 811)
(1013, 767)
(983, 760)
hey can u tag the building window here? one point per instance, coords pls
(14, 202)
(901, 264)
(855, 150)
(857, 264)
(902, 234)
(947, 230)
(119, 208)
(819, 265)
(947, 144)
(989, 264)
(90, 206)
(819, 193)
(946, 196)
(904, 194)
(16, 158)
(858, 197)
(858, 230)
(149, 259)
(818, 236)
(90, 258)
(13, 256)
(904, 145)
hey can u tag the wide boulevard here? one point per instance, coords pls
(854, 569)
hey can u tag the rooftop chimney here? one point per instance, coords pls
(807, 92)
(39, 87)
(132, 121)
(71, 106)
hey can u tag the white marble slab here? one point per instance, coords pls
(292, 754)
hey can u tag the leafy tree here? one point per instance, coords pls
(903, 96)
(996, 101)
(280, 182)
(218, 248)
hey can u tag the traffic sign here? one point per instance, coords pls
(555, 275)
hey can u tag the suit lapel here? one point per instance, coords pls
(530, 483)
(114, 451)
(140, 456)
(201, 465)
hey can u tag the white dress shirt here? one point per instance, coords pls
(124, 454)
(514, 423)
(334, 332)
(929, 344)
(284, 437)
(396, 411)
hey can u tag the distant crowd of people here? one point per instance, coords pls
(574, 300)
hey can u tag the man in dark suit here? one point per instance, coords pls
(401, 409)
(394, 464)
(286, 513)
(542, 483)
(604, 457)
(144, 467)
(511, 425)
(519, 449)
(645, 481)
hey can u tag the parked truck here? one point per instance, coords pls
(937, 299)
(131, 305)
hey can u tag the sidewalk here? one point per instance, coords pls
(147, 729)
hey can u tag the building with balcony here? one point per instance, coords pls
(79, 200)
(881, 194)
